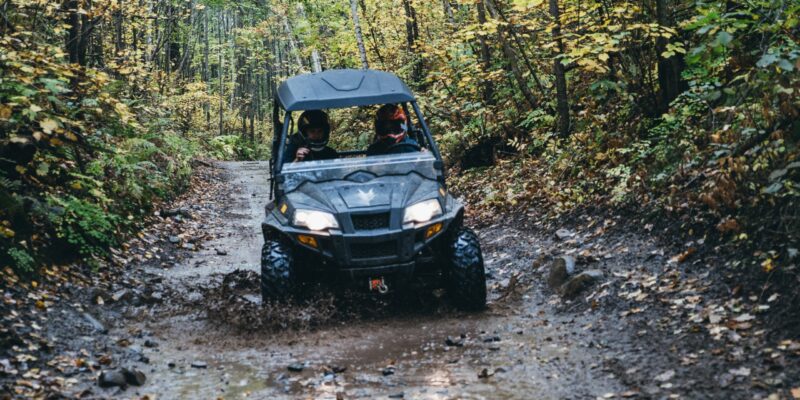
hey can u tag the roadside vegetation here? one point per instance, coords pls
(686, 110)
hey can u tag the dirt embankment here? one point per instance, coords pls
(587, 309)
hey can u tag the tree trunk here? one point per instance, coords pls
(119, 45)
(83, 39)
(513, 62)
(362, 51)
(520, 46)
(373, 35)
(448, 11)
(670, 83)
(221, 84)
(562, 102)
(78, 34)
(316, 63)
(412, 34)
(206, 77)
(293, 44)
(486, 55)
(251, 82)
(74, 31)
(185, 63)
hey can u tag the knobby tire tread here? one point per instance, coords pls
(277, 275)
(467, 277)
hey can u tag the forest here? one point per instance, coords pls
(687, 107)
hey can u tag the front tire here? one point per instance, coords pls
(466, 277)
(277, 271)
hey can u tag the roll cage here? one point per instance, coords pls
(341, 89)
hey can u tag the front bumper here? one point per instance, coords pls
(376, 252)
(404, 269)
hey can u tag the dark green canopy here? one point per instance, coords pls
(339, 88)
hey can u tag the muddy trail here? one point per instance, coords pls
(188, 314)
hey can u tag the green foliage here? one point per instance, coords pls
(85, 225)
(22, 260)
(234, 147)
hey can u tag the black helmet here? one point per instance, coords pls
(314, 119)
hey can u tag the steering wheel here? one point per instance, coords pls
(394, 148)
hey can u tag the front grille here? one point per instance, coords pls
(373, 250)
(363, 222)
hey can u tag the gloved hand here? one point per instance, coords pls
(301, 153)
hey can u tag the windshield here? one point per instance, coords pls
(351, 133)
(421, 163)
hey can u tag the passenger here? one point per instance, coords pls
(310, 143)
(391, 132)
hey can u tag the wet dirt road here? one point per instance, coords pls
(514, 349)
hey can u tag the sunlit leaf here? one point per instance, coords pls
(48, 125)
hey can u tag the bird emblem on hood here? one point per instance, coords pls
(366, 197)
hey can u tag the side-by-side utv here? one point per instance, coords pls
(372, 221)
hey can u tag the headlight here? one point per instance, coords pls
(314, 220)
(422, 211)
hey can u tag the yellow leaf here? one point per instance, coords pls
(35, 108)
(38, 135)
(71, 136)
(48, 125)
(122, 111)
(5, 111)
(76, 185)
(603, 57)
(767, 265)
(8, 233)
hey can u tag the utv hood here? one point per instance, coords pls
(361, 184)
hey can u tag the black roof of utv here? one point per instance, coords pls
(341, 88)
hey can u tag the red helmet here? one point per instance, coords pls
(391, 122)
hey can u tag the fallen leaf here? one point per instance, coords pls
(665, 376)
(744, 318)
(743, 371)
(772, 298)
(48, 125)
(742, 326)
(683, 256)
(728, 225)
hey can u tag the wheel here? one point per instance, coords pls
(277, 271)
(466, 278)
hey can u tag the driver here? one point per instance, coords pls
(311, 142)
(391, 132)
